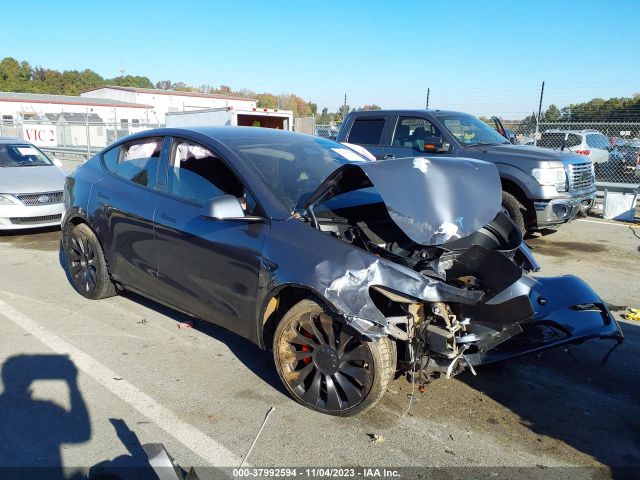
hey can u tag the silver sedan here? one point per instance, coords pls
(31, 186)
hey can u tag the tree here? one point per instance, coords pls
(344, 111)
(164, 85)
(267, 100)
(373, 106)
(552, 114)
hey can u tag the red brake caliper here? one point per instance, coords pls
(305, 348)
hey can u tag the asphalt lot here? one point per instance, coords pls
(205, 393)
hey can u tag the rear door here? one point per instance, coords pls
(207, 267)
(122, 205)
(369, 132)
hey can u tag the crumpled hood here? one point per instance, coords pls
(31, 179)
(433, 200)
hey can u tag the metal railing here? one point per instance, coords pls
(77, 140)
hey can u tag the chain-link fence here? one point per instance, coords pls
(74, 137)
(614, 148)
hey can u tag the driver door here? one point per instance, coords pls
(410, 136)
(208, 268)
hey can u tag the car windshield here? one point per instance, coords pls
(470, 130)
(293, 168)
(21, 155)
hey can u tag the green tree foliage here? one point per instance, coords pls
(552, 114)
(21, 77)
(18, 76)
(373, 106)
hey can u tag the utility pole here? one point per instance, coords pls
(344, 108)
(535, 139)
(428, 91)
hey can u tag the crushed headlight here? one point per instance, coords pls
(556, 177)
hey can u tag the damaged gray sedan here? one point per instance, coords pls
(349, 270)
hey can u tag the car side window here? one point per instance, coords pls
(138, 161)
(573, 140)
(110, 159)
(414, 132)
(366, 131)
(197, 175)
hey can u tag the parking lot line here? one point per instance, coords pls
(605, 222)
(195, 440)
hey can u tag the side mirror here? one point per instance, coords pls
(56, 161)
(436, 145)
(227, 207)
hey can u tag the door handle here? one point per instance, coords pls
(166, 217)
(103, 196)
(389, 156)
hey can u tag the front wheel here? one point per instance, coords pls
(327, 366)
(516, 211)
(87, 265)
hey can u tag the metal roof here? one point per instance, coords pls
(156, 91)
(66, 100)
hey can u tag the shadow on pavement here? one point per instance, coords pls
(33, 430)
(134, 466)
(591, 407)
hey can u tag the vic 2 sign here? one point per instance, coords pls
(42, 135)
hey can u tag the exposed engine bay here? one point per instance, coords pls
(472, 259)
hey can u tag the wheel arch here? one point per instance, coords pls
(278, 301)
(514, 189)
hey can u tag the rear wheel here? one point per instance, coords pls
(87, 266)
(327, 366)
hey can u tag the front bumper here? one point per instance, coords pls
(17, 217)
(561, 210)
(566, 311)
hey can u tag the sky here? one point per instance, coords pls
(484, 57)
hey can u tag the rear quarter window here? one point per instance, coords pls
(366, 131)
(110, 158)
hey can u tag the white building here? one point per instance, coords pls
(165, 101)
(16, 107)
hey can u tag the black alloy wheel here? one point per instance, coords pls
(327, 366)
(87, 266)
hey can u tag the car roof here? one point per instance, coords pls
(409, 112)
(572, 131)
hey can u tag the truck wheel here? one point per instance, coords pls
(516, 211)
(327, 366)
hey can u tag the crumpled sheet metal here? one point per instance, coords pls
(347, 285)
(432, 199)
(343, 274)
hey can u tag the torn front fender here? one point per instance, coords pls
(343, 275)
(566, 311)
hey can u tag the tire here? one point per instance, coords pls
(87, 265)
(326, 366)
(516, 211)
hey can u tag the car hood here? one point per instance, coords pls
(433, 200)
(529, 152)
(31, 179)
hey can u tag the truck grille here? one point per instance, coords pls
(46, 198)
(580, 176)
(35, 220)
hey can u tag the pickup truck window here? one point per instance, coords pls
(413, 131)
(470, 130)
(366, 131)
